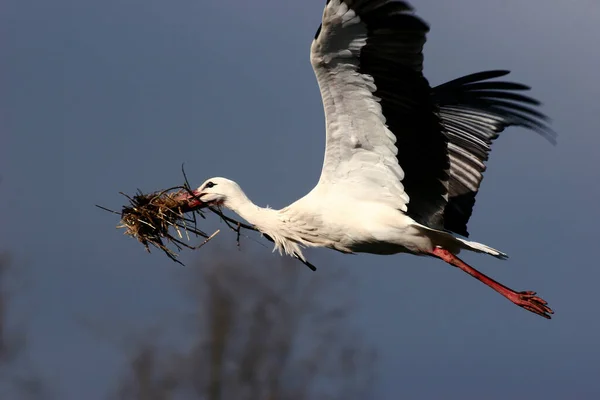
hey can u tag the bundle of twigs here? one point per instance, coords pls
(152, 217)
(155, 218)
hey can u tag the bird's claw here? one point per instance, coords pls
(529, 301)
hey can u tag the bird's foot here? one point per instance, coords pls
(529, 301)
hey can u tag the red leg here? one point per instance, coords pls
(527, 300)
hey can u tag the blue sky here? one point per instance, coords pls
(92, 91)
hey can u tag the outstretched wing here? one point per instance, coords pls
(384, 139)
(390, 136)
(473, 111)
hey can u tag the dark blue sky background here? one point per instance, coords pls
(107, 96)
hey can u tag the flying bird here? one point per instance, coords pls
(403, 161)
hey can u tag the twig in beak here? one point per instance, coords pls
(149, 218)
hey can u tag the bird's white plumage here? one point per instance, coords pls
(360, 154)
(364, 201)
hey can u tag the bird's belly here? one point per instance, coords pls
(375, 228)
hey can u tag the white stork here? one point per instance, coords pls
(403, 161)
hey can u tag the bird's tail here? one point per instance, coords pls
(453, 244)
(482, 248)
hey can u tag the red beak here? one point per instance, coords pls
(192, 202)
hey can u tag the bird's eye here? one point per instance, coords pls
(210, 185)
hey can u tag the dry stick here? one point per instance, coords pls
(185, 227)
(209, 238)
(108, 209)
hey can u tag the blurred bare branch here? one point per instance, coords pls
(147, 382)
(16, 372)
(4, 348)
(263, 329)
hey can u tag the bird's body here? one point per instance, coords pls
(369, 227)
(322, 219)
(403, 161)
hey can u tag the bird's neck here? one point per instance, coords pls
(245, 208)
(288, 238)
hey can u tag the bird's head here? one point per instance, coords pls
(217, 191)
